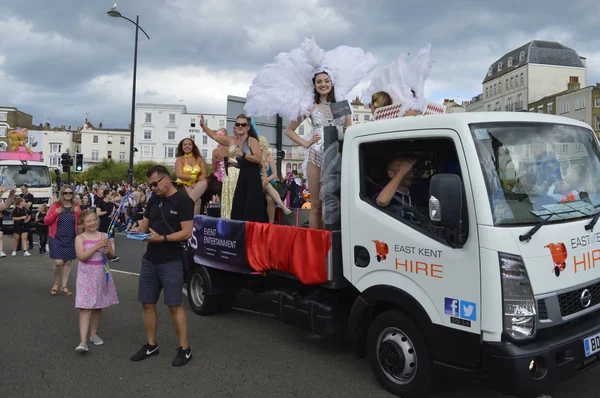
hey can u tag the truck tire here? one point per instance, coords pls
(398, 355)
(198, 287)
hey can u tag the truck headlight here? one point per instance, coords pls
(517, 298)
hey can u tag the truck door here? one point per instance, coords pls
(397, 245)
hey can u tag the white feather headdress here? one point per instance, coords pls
(399, 78)
(285, 86)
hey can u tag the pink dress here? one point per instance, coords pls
(92, 290)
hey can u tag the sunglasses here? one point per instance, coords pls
(241, 125)
(155, 183)
(67, 193)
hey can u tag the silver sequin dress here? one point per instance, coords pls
(321, 117)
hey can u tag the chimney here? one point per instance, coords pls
(574, 84)
(69, 127)
(100, 125)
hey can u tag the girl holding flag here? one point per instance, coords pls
(95, 286)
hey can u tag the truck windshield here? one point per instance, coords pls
(36, 177)
(538, 171)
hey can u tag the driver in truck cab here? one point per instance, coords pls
(396, 194)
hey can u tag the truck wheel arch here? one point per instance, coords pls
(377, 299)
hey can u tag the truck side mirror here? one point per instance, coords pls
(445, 199)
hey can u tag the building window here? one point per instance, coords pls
(148, 117)
(509, 105)
(495, 87)
(580, 103)
(54, 161)
(597, 122)
(490, 71)
(596, 102)
(95, 139)
(3, 131)
(221, 124)
(497, 107)
(109, 139)
(509, 62)
(354, 117)
(171, 118)
(564, 108)
(506, 86)
(3, 116)
(367, 117)
(193, 122)
(579, 147)
(109, 155)
(193, 137)
(122, 139)
(522, 79)
(512, 83)
(170, 135)
(147, 151)
(204, 153)
(522, 56)
(204, 139)
(563, 148)
(147, 134)
(95, 156)
(300, 130)
(489, 107)
(550, 107)
(486, 92)
(499, 66)
(170, 152)
(541, 109)
(121, 156)
(519, 103)
(56, 148)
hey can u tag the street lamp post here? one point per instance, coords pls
(116, 14)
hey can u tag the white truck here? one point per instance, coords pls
(488, 271)
(35, 174)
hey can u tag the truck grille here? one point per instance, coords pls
(570, 303)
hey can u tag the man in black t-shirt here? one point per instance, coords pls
(104, 210)
(28, 196)
(162, 265)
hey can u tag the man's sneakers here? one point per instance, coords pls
(146, 351)
(183, 356)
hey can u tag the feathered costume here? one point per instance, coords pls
(399, 78)
(285, 87)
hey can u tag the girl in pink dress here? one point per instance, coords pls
(93, 291)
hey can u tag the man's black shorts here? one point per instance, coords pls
(154, 278)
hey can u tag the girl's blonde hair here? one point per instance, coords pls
(380, 99)
(264, 146)
(86, 213)
(43, 206)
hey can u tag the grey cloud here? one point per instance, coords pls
(466, 37)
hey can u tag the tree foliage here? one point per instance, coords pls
(112, 172)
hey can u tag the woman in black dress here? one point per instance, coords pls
(249, 203)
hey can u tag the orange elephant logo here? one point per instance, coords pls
(559, 256)
(382, 250)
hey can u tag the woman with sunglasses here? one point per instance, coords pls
(249, 203)
(63, 220)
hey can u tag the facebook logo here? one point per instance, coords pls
(460, 309)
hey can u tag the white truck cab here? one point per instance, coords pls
(35, 174)
(487, 268)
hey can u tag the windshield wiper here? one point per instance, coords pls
(527, 237)
(590, 226)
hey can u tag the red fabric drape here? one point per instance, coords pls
(299, 251)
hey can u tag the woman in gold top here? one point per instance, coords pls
(190, 170)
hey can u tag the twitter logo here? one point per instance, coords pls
(468, 310)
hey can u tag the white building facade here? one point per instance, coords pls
(527, 74)
(53, 144)
(160, 127)
(98, 144)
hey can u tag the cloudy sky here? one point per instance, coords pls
(63, 59)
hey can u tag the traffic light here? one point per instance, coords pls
(66, 162)
(281, 154)
(79, 162)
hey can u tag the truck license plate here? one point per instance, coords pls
(8, 222)
(591, 345)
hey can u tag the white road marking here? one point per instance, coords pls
(124, 272)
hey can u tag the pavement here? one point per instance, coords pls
(239, 353)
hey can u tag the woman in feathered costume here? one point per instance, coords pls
(401, 83)
(302, 84)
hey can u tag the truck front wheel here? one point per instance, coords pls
(398, 355)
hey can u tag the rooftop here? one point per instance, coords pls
(535, 52)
